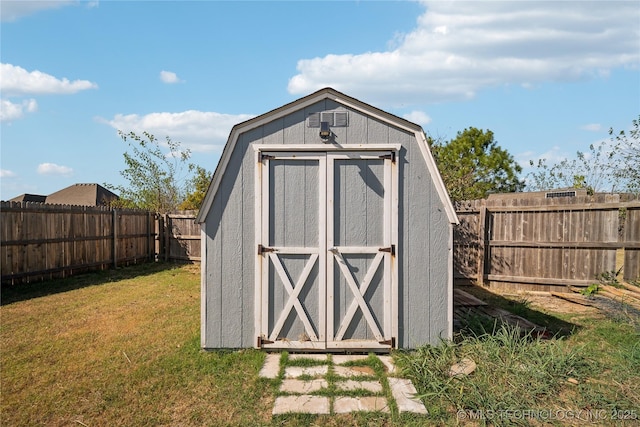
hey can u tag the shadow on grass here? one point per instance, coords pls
(479, 323)
(21, 292)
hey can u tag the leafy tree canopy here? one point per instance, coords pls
(625, 158)
(588, 170)
(199, 184)
(473, 166)
(158, 181)
(612, 165)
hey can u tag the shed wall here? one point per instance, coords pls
(423, 246)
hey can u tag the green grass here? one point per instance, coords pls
(122, 347)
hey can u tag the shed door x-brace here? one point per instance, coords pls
(326, 242)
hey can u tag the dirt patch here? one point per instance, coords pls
(366, 370)
(548, 303)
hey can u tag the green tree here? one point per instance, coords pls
(154, 176)
(588, 170)
(625, 158)
(473, 166)
(613, 165)
(199, 185)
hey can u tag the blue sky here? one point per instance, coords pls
(547, 77)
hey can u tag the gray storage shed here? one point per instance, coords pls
(326, 227)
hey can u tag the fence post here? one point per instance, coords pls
(482, 233)
(114, 226)
(167, 238)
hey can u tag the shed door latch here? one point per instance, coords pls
(391, 249)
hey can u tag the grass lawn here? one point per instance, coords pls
(122, 347)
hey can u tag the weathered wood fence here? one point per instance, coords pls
(545, 244)
(40, 241)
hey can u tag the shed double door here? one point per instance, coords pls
(326, 250)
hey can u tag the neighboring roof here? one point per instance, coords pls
(82, 195)
(341, 98)
(34, 198)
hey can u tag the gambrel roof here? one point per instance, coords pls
(348, 102)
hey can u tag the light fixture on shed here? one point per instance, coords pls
(325, 131)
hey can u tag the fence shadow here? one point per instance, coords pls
(479, 322)
(10, 294)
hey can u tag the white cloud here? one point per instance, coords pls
(197, 130)
(12, 111)
(5, 173)
(419, 117)
(169, 77)
(550, 157)
(460, 48)
(592, 127)
(17, 81)
(54, 169)
(12, 10)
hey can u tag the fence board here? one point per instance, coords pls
(632, 234)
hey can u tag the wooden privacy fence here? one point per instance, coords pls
(545, 244)
(40, 241)
(181, 236)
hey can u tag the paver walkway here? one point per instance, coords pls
(324, 384)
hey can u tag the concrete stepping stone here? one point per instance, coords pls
(298, 371)
(304, 404)
(302, 387)
(387, 361)
(350, 385)
(339, 359)
(343, 405)
(353, 371)
(404, 392)
(271, 367)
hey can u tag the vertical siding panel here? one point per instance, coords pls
(272, 134)
(215, 288)
(294, 128)
(438, 239)
(231, 241)
(357, 130)
(418, 284)
(249, 334)
(377, 132)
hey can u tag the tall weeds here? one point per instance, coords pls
(514, 371)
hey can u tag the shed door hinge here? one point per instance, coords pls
(263, 249)
(391, 342)
(391, 249)
(391, 156)
(262, 340)
(266, 157)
